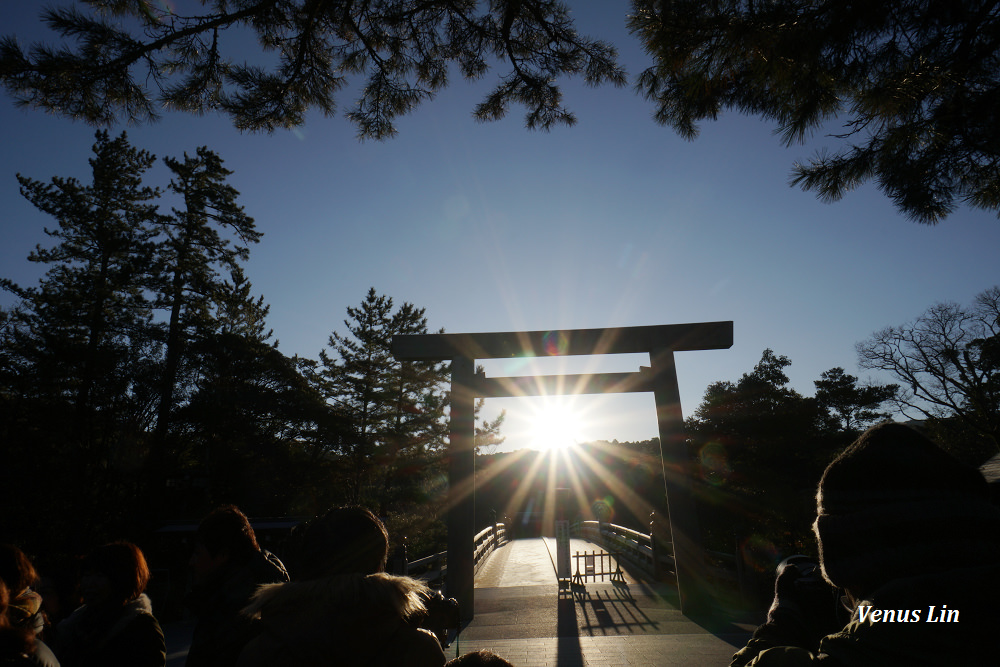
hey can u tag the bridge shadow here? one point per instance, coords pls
(641, 608)
(609, 610)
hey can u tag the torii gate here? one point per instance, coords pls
(661, 378)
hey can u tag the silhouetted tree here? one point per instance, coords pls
(397, 408)
(190, 257)
(406, 48)
(854, 407)
(946, 361)
(248, 423)
(77, 348)
(913, 86)
(760, 447)
(487, 434)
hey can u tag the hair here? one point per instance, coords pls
(226, 528)
(13, 640)
(124, 565)
(480, 658)
(16, 569)
(344, 540)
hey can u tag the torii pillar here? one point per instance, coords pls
(660, 342)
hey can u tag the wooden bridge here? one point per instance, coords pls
(523, 614)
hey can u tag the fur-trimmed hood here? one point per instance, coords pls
(376, 592)
(354, 617)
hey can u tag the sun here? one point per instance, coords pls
(556, 425)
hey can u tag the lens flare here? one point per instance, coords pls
(604, 509)
(555, 343)
(760, 553)
(715, 468)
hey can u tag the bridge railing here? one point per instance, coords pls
(487, 540)
(434, 566)
(657, 558)
(637, 547)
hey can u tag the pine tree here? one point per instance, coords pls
(406, 49)
(396, 408)
(908, 90)
(852, 406)
(80, 343)
(90, 311)
(357, 379)
(190, 258)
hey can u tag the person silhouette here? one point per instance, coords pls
(115, 626)
(227, 566)
(341, 606)
(909, 534)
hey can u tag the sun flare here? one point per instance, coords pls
(556, 425)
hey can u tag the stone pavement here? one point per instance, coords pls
(522, 616)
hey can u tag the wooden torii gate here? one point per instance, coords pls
(660, 378)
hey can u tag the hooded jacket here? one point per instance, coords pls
(350, 620)
(222, 631)
(128, 636)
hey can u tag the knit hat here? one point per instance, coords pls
(893, 505)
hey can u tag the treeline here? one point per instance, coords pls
(758, 447)
(139, 381)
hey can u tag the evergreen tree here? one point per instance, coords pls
(912, 86)
(761, 447)
(78, 346)
(406, 48)
(92, 299)
(854, 407)
(487, 434)
(356, 382)
(397, 408)
(190, 258)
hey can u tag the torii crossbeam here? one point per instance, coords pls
(661, 378)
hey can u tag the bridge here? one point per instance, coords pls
(612, 610)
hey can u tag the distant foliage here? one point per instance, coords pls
(853, 406)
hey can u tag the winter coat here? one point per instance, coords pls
(127, 636)
(222, 631)
(968, 641)
(17, 651)
(345, 620)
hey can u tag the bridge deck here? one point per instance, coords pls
(521, 615)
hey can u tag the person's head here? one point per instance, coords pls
(113, 574)
(223, 536)
(480, 658)
(16, 570)
(345, 540)
(893, 505)
(13, 639)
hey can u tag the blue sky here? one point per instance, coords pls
(613, 222)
